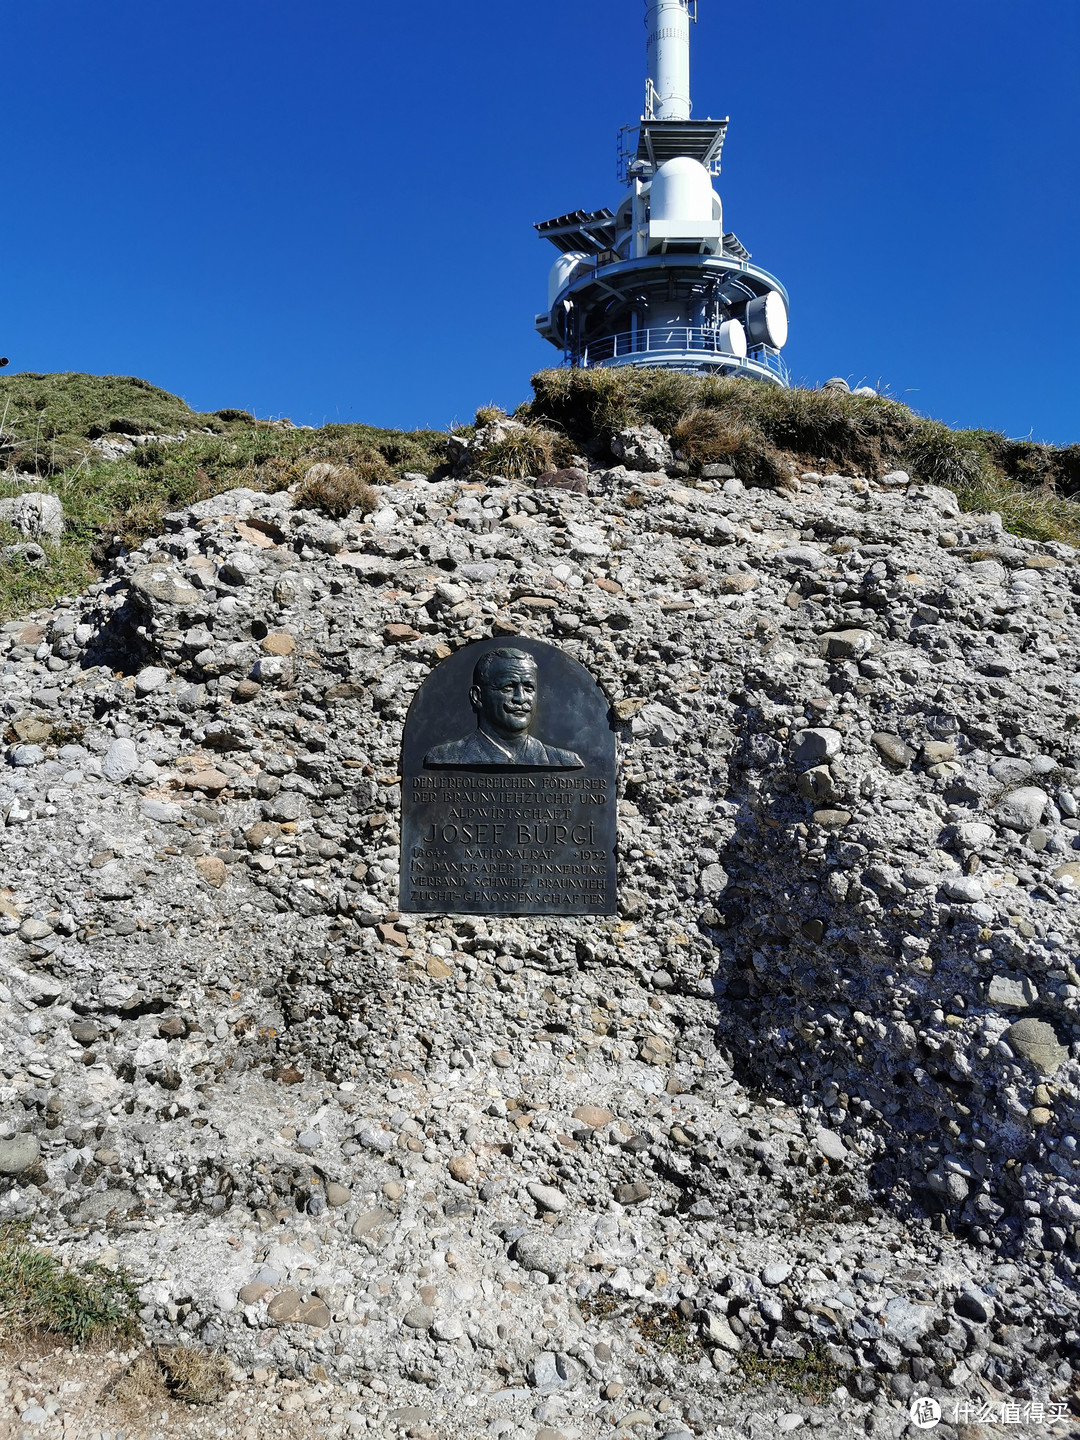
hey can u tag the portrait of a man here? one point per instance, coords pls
(503, 695)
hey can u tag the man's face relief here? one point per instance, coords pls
(507, 695)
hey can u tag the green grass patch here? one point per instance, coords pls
(814, 1377)
(38, 1296)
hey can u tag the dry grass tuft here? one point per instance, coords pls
(338, 490)
(706, 437)
(521, 454)
(193, 1375)
(179, 1372)
(488, 415)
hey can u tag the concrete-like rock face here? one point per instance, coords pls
(34, 514)
(832, 1035)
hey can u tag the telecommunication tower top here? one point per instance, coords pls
(658, 281)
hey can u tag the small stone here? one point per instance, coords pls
(594, 1116)
(284, 1306)
(551, 1371)
(544, 1252)
(150, 679)
(845, 644)
(1022, 809)
(1010, 993)
(462, 1168)
(337, 1194)
(18, 1154)
(34, 930)
(400, 634)
(1039, 1115)
(161, 811)
(121, 761)
(893, 749)
(253, 1293)
(211, 869)
(547, 1197)
(315, 1313)
(832, 819)
(633, 1193)
(247, 690)
(949, 1186)
(831, 1145)
(279, 643)
(627, 708)
(736, 582)
(211, 780)
(447, 1328)
(438, 969)
(502, 1058)
(106, 1157)
(393, 1189)
(420, 1317)
(655, 1050)
(938, 752)
(371, 1220)
(812, 746)
(776, 1273)
(972, 1304)
(719, 1332)
(964, 889)
(1036, 1042)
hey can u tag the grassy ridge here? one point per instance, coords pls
(1031, 485)
(48, 424)
(52, 419)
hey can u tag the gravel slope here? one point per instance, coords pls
(791, 1137)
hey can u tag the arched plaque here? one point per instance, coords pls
(508, 786)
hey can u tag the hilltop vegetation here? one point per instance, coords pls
(56, 432)
(49, 426)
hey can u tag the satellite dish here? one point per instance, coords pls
(767, 321)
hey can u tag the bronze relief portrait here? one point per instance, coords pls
(503, 698)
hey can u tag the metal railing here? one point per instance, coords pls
(676, 339)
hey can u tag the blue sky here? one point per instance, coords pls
(324, 208)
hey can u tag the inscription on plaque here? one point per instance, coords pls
(508, 786)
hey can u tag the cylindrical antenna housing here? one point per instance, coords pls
(668, 25)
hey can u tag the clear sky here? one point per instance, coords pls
(324, 208)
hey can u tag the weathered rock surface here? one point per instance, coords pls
(493, 1163)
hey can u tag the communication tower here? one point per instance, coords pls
(659, 281)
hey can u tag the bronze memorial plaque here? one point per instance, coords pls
(508, 786)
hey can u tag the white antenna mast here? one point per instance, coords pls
(667, 90)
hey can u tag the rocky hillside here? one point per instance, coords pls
(791, 1140)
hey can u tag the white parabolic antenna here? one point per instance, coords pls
(766, 321)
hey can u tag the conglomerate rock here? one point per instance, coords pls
(806, 1107)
